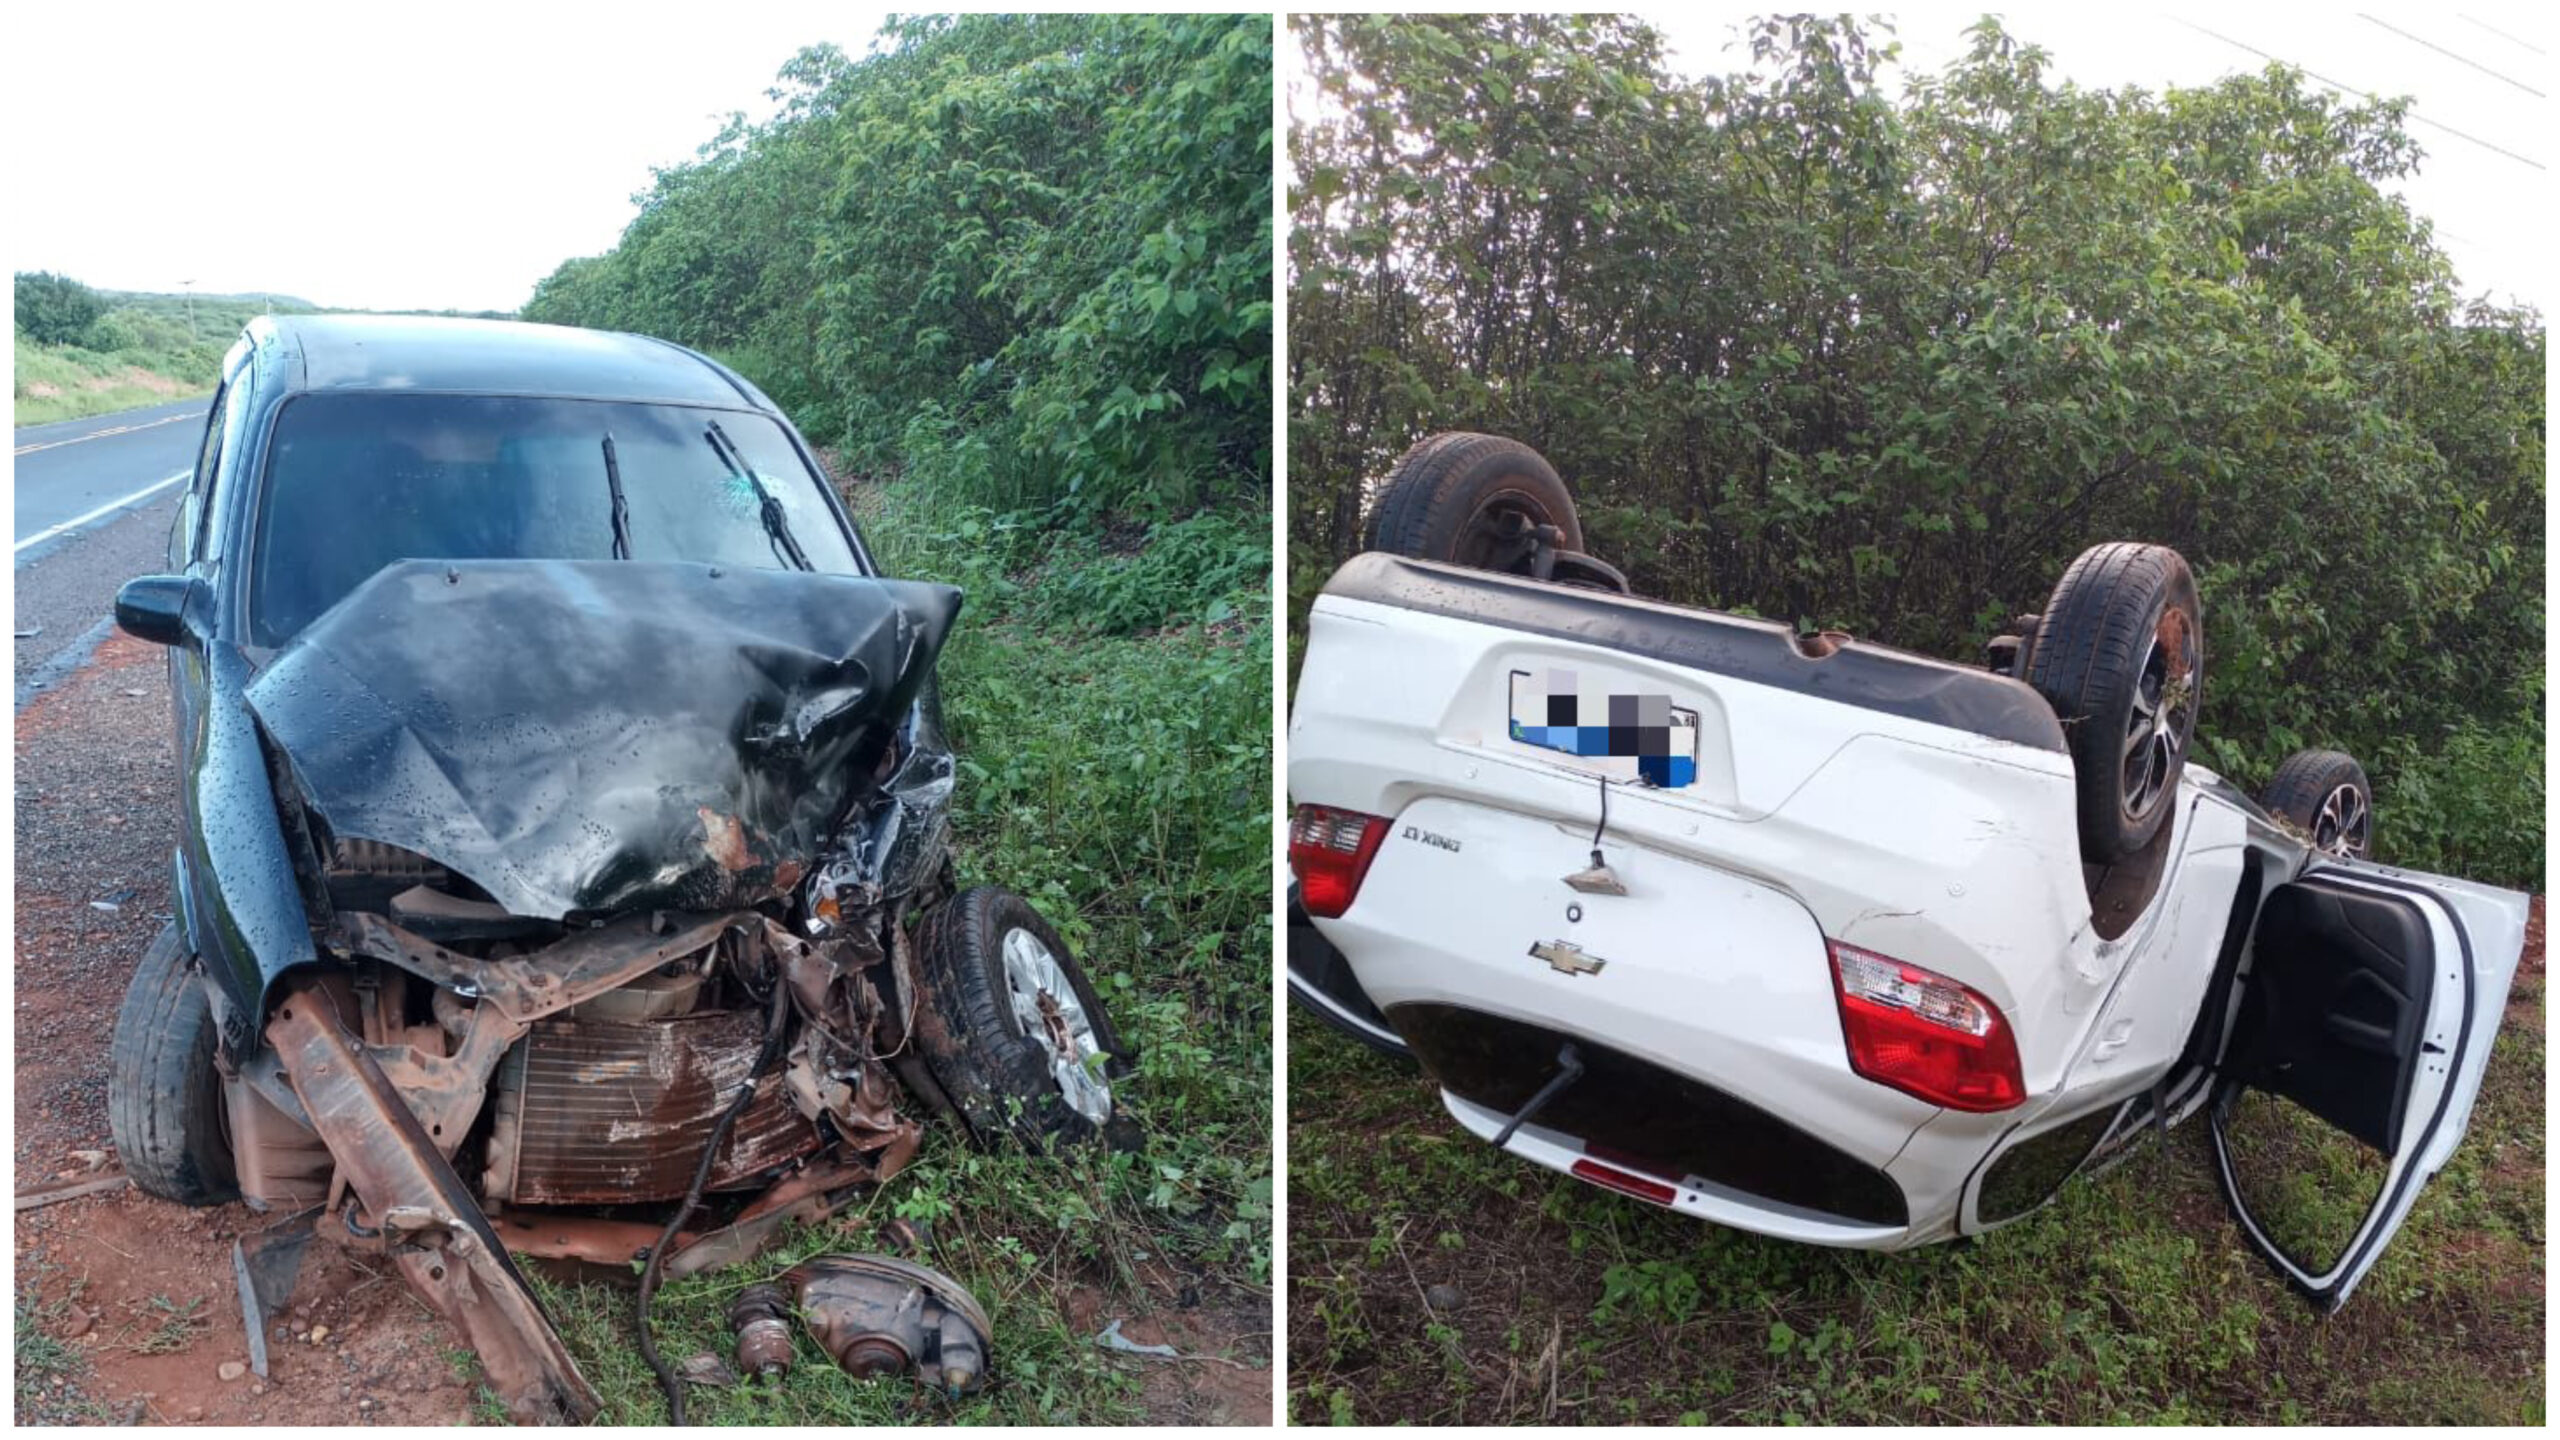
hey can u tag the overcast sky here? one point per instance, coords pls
(450, 157)
(430, 157)
(2490, 210)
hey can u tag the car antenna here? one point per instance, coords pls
(777, 527)
(1599, 879)
(621, 507)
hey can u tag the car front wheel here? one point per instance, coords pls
(1023, 1046)
(2326, 795)
(164, 1097)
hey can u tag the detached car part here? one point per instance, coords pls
(877, 1316)
(761, 1316)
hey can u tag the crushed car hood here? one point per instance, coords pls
(597, 736)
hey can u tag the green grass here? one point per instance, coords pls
(41, 1357)
(1012, 1228)
(68, 383)
(2132, 1298)
(50, 1371)
(1110, 703)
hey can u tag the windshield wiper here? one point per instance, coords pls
(621, 507)
(777, 528)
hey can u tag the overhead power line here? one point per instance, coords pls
(2503, 35)
(2361, 95)
(2449, 55)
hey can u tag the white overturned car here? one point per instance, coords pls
(1835, 942)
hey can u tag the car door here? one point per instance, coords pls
(2371, 1000)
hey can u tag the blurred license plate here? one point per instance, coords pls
(1631, 736)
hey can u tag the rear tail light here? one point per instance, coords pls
(1610, 1177)
(1924, 1034)
(1329, 852)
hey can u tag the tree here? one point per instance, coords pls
(55, 309)
(1887, 363)
(1025, 257)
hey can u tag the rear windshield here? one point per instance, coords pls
(355, 482)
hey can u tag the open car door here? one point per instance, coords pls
(2372, 997)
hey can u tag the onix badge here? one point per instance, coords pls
(1567, 957)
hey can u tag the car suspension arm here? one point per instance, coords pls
(432, 1227)
(1569, 1069)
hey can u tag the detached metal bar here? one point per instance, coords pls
(428, 1221)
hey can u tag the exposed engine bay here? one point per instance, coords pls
(588, 987)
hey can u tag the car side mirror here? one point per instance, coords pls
(163, 609)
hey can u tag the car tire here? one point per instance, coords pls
(977, 952)
(2119, 655)
(164, 1097)
(2326, 794)
(1446, 496)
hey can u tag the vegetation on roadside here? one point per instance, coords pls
(1015, 272)
(1886, 363)
(1024, 258)
(83, 352)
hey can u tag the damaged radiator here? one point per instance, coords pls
(589, 1112)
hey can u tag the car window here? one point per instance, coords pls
(199, 499)
(355, 482)
(230, 421)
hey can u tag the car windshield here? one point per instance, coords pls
(357, 481)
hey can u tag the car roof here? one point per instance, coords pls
(494, 357)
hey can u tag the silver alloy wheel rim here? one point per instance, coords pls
(2344, 823)
(2156, 732)
(1047, 1009)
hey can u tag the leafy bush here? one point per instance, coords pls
(1887, 363)
(55, 309)
(109, 334)
(2468, 801)
(1028, 256)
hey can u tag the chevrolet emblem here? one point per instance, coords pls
(1567, 957)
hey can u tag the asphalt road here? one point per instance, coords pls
(93, 511)
(76, 471)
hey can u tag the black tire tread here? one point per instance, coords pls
(1431, 488)
(2087, 643)
(2305, 779)
(164, 1096)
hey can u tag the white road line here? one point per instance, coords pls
(111, 507)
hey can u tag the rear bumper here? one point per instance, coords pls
(1726, 1158)
(1712, 1015)
(1558, 1152)
(1320, 982)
